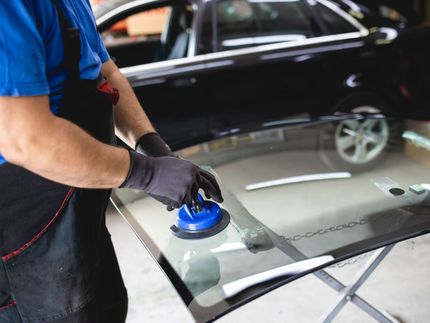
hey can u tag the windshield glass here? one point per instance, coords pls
(243, 23)
(300, 195)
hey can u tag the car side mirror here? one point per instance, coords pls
(382, 35)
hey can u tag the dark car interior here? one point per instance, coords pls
(178, 36)
(171, 43)
(264, 22)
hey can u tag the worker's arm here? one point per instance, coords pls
(32, 137)
(54, 148)
(131, 121)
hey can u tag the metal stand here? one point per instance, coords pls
(348, 293)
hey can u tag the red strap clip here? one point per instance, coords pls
(106, 88)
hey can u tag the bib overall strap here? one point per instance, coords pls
(71, 43)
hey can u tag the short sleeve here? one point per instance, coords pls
(103, 53)
(22, 52)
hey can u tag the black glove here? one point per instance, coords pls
(172, 181)
(153, 145)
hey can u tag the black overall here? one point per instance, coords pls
(58, 262)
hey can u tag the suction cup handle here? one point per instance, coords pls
(196, 206)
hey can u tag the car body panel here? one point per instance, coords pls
(393, 13)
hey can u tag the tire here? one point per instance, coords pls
(357, 145)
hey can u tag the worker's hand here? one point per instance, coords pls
(151, 144)
(172, 181)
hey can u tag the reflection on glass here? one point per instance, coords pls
(260, 40)
(298, 179)
(417, 139)
(244, 23)
(236, 287)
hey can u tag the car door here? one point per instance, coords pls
(271, 59)
(149, 42)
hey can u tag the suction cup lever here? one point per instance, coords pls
(196, 206)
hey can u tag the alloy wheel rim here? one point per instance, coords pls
(361, 141)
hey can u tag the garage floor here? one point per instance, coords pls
(401, 285)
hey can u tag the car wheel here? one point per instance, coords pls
(357, 145)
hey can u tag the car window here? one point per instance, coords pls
(150, 35)
(392, 14)
(334, 22)
(140, 26)
(245, 23)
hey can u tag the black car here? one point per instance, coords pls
(215, 66)
(396, 13)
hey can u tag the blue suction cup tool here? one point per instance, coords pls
(199, 220)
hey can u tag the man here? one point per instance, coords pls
(57, 163)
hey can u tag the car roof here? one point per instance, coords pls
(357, 8)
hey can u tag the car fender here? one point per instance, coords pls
(358, 83)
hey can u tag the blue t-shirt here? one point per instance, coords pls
(31, 47)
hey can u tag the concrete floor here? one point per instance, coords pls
(401, 285)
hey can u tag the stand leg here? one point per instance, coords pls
(347, 293)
